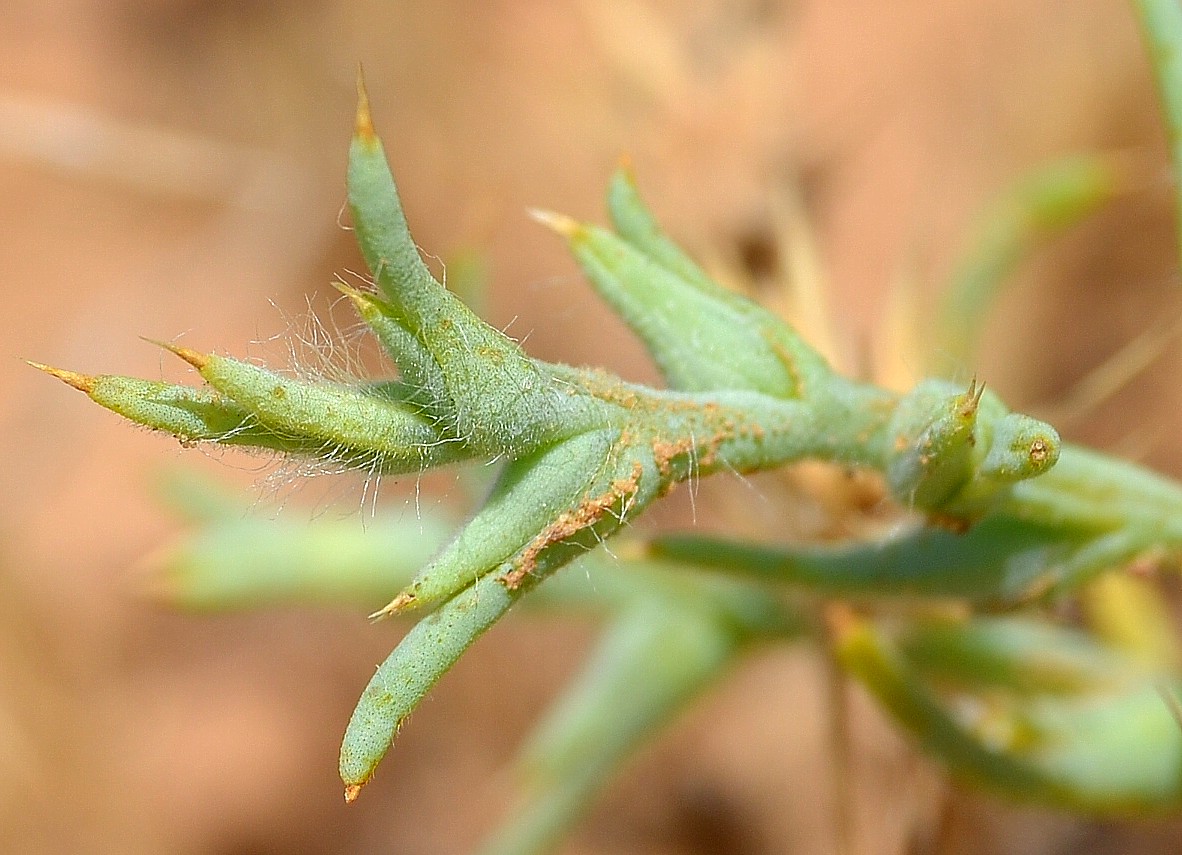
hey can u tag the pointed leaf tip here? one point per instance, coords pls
(356, 296)
(345, 288)
(363, 124)
(351, 793)
(81, 382)
(400, 603)
(560, 223)
(195, 358)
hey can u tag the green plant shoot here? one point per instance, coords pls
(997, 510)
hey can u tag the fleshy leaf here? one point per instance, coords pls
(530, 493)
(1042, 205)
(1018, 654)
(349, 425)
(998, 560)
(1114, 752)
(420, 659)
(955, 453)
(1161, 24)
(190, 415)
(701, 336)
(243, 562)
(499, 401)
(654, 658)
(635, 223)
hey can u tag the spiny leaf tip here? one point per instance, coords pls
(971, 399)
(360, 299)
(398, 604)
(624, 168)
(560, 223)
(195, 358)
(363, 124)
(81, 382)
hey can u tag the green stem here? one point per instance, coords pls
(1161, 23)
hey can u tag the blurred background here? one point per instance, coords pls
(175, 169)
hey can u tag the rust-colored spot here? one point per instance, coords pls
(569, 523)
(704, 450)
(948, 522)
(1039, 451)
(665, 452)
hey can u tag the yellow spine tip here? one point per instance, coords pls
(195, 358)
(352, 791)
(345, 288)
(971, 399)
(360, 300)
(396, 605)
(624, 165)
(560, 223)
(81, 382)
(363, 125)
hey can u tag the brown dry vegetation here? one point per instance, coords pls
(169, 166)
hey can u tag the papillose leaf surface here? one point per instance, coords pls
(997, 511)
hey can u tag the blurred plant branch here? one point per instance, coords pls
(997, 514)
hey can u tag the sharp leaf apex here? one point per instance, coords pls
(396, 605)
(81, 382)
(564, 225)
(195, 358)
(363, 125)
(355, 294)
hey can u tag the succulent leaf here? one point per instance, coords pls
(498, 400)
(351, 426)
(653, 659)
(701, 336)
(529, 495)
(1103, 753)
(584, 453)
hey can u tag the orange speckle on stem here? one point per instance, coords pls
(569, 523)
